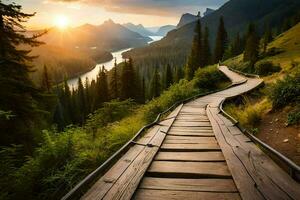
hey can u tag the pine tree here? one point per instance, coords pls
(252, 46)
(206, 48)
(114, 88)
(81, 101)
(267, 38)
(18, 93)
(102, 88)
(237, 45)
(178, 74)
(87, 96)
(155, 84)
(46, 80)
(195, 59)
(67, 102)
(168, 76)
(128, 80)
(221, 42)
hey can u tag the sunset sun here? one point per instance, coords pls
(61, 21)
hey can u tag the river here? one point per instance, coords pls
(108, 65)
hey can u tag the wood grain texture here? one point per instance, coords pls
(199, 185)
(190, 156)
(145, 194)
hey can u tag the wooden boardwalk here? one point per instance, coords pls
(196, 153)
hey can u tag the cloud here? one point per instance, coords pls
(151, 7)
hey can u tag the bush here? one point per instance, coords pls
(286, 91)
(294, 117)
(248, 114)
(209, 78)
(266, 68)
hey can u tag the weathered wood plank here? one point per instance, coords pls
(189, 140)
(243, 180)
(200, 185)
(189, 169)
(180, 195)
(193, 134)
(214, 156)
(125, 186)
(191, 124)
(103, 185)
(191, 147)
(270, 179)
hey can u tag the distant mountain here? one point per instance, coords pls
(208, 11)
(162, 31)
(153, 29)
(186, 19)
(139, 29)
(175, 47)
(108, 36)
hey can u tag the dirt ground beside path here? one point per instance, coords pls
(273, 130)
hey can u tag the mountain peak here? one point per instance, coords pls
(187, 18)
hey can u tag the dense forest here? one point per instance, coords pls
(52, 135)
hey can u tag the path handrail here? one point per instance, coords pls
(76, 191)
(294, 169)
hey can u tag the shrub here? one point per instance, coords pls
(249, 114)
(266, 68)
(294, 117)
(209, 78)
(286, 91)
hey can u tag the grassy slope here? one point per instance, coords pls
(256, 111)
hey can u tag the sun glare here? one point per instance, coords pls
(61, 21)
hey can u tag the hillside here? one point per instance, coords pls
(237, 15)
(139, 29)
(277, 126)
(164, 30)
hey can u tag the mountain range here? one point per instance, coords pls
(237, 15)
(157, 31)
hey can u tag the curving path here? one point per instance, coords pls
(197, 153)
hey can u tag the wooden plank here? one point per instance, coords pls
(189, 169)
(271, 180)
(243, 180)
(195, 134)
(143, 194)
(190, 147)
(200, 185)
(125, 186)
(182, 128)
(191, 124)
(214, 156)
(171, 139)
(103, 185)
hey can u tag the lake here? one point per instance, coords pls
(108, 65)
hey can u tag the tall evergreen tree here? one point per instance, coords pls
(252, 46)
(168, 76)
(221, 42)
(155, 84)
(178, 74)
(102, 87)
(237, 45)
(128, 80)
(114, 88)
(46, 80)
(267, 37)
(195, 59)
(206, 48)
(87, 94)
(18, 94)
(81, 101)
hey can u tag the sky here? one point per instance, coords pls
(78, 12)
